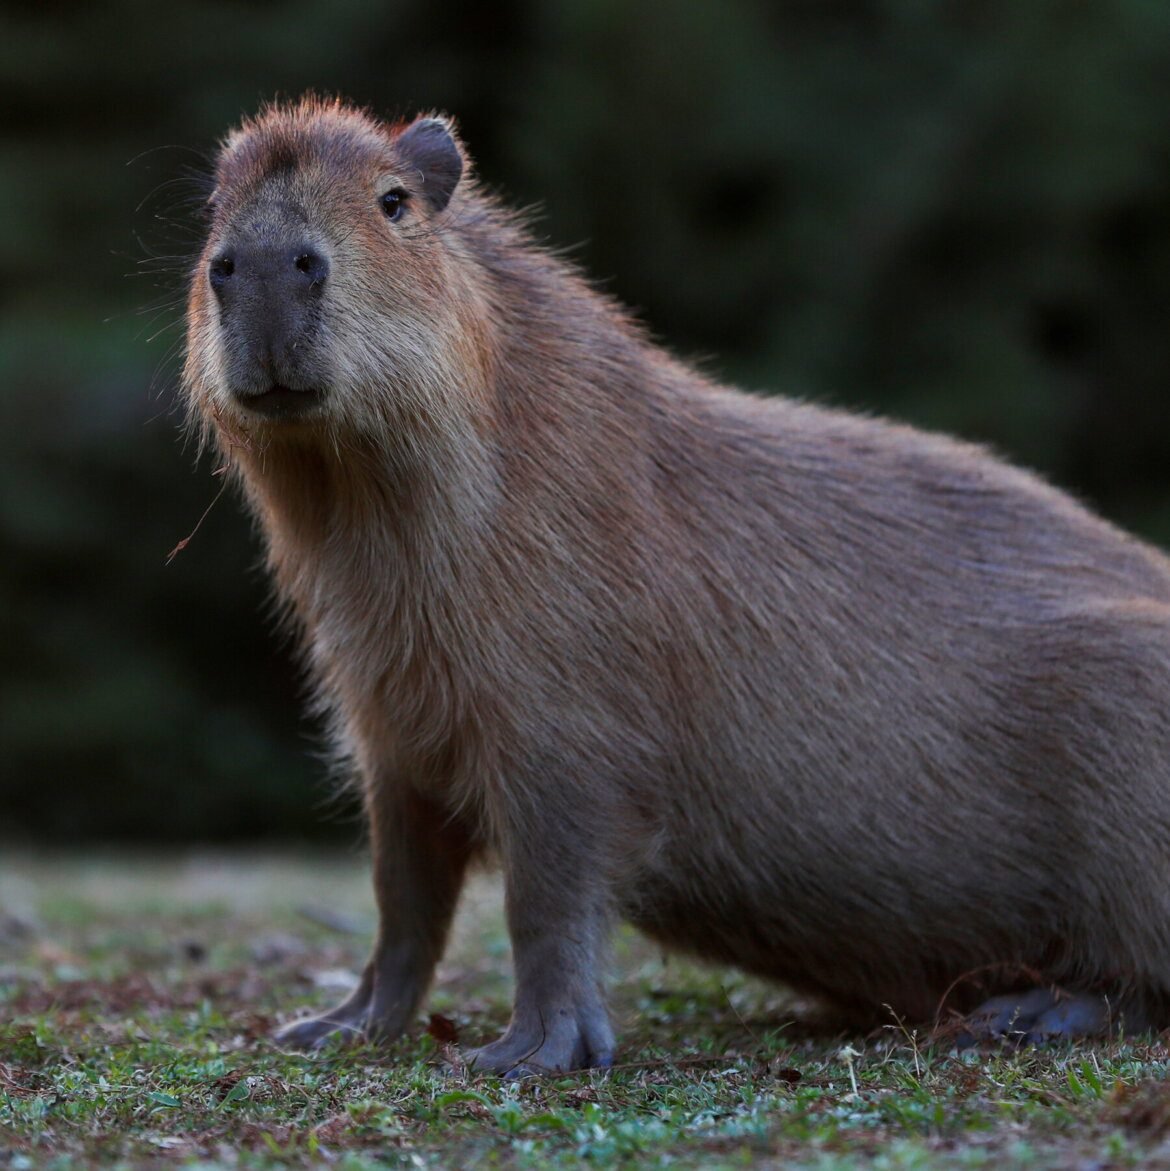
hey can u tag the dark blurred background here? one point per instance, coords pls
(957, 213)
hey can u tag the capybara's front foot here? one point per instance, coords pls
(349, 1020)
(364, 1016)
(340, 1023)
(314, 1031)
(535, 1044)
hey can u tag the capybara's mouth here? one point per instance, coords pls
(282, 402)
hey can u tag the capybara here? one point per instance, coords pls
(852, 706)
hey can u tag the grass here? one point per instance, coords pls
(137, 995)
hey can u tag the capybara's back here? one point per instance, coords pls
(852, 706)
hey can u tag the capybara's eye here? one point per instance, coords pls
(220, 271)
(393, 202)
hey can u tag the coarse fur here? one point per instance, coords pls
(852, 706)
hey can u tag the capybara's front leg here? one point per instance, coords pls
(556, 904)
(420, 854)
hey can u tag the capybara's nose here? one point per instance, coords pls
(295, 270)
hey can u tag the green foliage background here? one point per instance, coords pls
(957, 213)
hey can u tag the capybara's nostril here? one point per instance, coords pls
(313, 266)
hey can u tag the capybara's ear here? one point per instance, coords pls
(429, 148)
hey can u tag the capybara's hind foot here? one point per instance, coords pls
(1040, 1016)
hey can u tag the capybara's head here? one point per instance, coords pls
(330, 291)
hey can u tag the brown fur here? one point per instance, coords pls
(852, 706)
